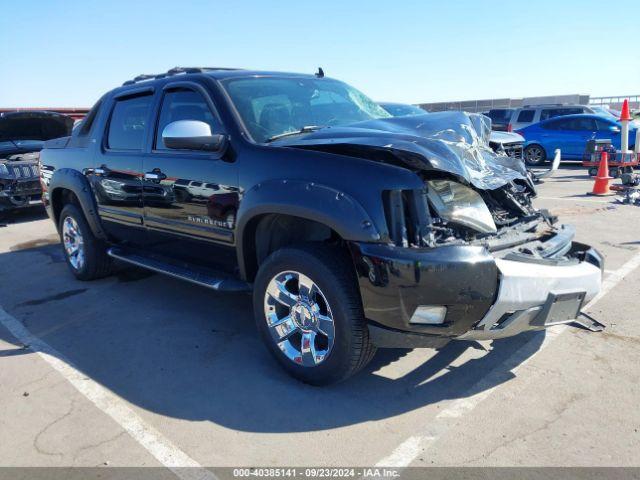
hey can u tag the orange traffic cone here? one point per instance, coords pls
(625, 115)
(601, 185)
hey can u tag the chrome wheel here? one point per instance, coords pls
(299, 318)
(534, 155)
(73, 243)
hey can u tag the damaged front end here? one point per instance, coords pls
(466, 256)
(19, 183)
(22, 136)
(472, 195)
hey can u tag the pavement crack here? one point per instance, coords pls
(91, 446)
(621, 338)
(23, 386)
(36, 441)
(546, 424)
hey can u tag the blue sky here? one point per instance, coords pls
(67, 53)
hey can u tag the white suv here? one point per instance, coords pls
(529, 114)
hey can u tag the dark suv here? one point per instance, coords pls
(354, 230)
(500, 118)
(22, 136)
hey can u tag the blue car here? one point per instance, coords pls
(570, 133)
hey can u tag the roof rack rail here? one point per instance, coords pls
(568, 104)
(172, 72)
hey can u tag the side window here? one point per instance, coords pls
(182, 104)
(581, 124)
(526, 116)
(588, 124)
(128, 124)
(558, 112)
(555, 125)
(572, 125)
(604, 125)
(546, 113)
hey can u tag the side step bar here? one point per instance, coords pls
(203, 277)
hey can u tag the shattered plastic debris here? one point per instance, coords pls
(630, 197)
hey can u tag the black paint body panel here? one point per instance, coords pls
(395, 281)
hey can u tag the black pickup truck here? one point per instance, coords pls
(354, 230)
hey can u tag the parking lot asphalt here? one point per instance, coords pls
(142, 369)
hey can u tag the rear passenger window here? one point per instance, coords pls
(558, 112)
(554, 125)
(87, 122)
(526, 116)
(549, 113)
(128, 124)
(586, 124)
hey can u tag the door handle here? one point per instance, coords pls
(155, 175)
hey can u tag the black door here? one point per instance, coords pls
(190, 206)
(117, 177)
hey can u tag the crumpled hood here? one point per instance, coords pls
(454, 142)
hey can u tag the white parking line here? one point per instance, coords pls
(569, 199)
(409, 450)
(148, 437)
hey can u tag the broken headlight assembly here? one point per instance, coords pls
(459, 204)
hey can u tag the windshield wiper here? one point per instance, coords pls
(305, 129)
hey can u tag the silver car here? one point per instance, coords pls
(529, 114)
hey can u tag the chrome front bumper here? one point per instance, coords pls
(533, 296)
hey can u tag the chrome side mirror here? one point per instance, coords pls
(192, 135)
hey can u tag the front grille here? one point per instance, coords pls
(407, 215)
(514, 150)
(28, 186)
(24, 171)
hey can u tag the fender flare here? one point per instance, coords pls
(70, 179)
(312, 201)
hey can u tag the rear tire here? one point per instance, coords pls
(339, 348)
(86, 255)
(534, 155)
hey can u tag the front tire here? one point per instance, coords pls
(309, 313)
(534, 155)
(86, 255)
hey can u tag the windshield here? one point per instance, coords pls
(399, 110)
(606, 112)
(272, 106)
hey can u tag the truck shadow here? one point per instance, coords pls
(25, 215)
(186, 352)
